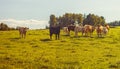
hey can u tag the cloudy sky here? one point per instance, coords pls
(35, 13)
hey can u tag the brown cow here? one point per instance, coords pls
(99, 30)
(106, 29)
(107, 26)
(88, 29)
(22, 31)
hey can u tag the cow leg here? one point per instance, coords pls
(68, 32)
(50, 36)
(90, 34)
(25, 35)
(101, 34)
(56, 36)
(98, 34)
(82, 33)
(20, 35)
(85, 33)
(76, 33)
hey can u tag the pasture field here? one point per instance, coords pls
(37, 51)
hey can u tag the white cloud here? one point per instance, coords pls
(32, 24)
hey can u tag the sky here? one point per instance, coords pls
(35, 13)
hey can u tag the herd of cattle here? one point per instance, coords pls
(86, 30)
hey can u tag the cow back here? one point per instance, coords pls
(71, 27)
(54, 29)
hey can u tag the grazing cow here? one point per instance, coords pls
(99, 30)
(106, 29)
(88, 29)
(54, 30)
(79, 29)
(65, 29)
(107, 26)
(71, 28)
(22, 31)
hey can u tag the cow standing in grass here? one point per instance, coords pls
(79, 29)
(107, 26)
(22, 31)
(65, 30)
(99, 30)
(106, 29)
(71, 28)
(54, 30)
(102, 30)
(88, 29)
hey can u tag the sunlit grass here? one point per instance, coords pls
(37, 51)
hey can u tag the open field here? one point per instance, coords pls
(37, 51)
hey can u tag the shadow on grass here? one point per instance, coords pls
(33, 34)
(45, 40)
(14, 39)
(113, 67)
(82, 36)
(65, 35)
(75, 36)
(99, 37)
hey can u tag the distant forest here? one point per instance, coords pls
(115, 23)
(5, 27)
(70, 18)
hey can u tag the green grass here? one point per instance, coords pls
(37, 51)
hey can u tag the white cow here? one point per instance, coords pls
(65, 30)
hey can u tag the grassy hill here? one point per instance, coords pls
(37, 51)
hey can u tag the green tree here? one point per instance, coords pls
(53, 20)
(92, 19)
(4, 26)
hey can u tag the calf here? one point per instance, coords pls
(22, 31)
(54, 30)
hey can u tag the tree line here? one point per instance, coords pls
(71, 18)
(114, 23)
(4, 27)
